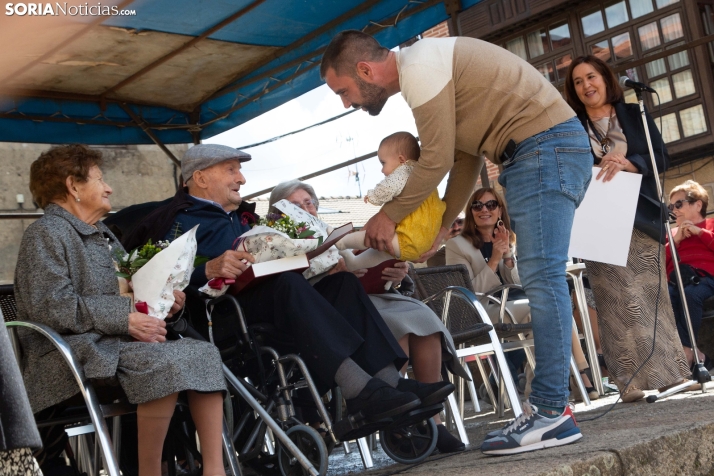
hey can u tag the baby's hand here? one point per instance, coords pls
(366, 199)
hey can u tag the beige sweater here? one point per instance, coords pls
(469, 98)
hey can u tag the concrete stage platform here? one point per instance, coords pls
(670, 437)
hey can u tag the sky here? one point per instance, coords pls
(317, 148)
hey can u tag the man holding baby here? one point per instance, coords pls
(466, 108)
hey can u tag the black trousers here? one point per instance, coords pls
(329, 322)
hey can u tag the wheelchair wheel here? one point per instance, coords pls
(411, 444)
(311, 444)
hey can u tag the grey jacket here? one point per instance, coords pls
(65, 279)
(17, 425)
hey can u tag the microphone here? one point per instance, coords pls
(626, 82)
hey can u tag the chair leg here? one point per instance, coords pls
(472, 389)
(101, 431)
(508, 380)
(230, 452)
(454, 412)
(487, 384)
(346, 447)
(579, 381)
(365, 453)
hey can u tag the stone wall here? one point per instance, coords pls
(701, 171)
(137, 174)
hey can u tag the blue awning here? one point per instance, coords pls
(104, 78)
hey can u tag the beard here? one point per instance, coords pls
(374, 97)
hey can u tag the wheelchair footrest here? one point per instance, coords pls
(355, 426)
(415, 416)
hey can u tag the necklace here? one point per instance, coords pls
(604, 141)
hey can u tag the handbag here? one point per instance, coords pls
(690, 275)
(646, 218)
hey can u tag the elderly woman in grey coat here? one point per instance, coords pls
(419, 331)
(65, 278)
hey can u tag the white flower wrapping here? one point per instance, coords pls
(170, 270)
(266, 244)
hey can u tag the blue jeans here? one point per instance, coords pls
(545, 181)
(696, 295)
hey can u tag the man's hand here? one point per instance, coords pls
(179, 301)
(380, 233)
(435, 247)
(396, 274)
(146, 328)
(230, 264)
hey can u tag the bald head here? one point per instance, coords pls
(347, 49)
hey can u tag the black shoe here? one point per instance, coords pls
(446, 442)
(378, 400)
(428, 393)
(601, 361)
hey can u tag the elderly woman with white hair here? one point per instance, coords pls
(418, 330)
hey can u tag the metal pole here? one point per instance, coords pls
(698, 375)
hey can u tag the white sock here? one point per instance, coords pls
(353, 241)
(367, 259)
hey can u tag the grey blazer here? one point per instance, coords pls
(65, 279)
(17, 425)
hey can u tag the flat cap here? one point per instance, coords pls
(202, 156)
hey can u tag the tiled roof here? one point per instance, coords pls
(335, 211)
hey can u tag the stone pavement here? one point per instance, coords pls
(671, 437)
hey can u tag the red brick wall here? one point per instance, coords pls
(439, 31)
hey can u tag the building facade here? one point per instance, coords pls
(666, 44)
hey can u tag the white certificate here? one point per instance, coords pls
(603, 222)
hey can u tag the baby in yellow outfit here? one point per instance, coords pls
(416, 233)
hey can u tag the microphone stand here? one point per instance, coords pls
(700, 374)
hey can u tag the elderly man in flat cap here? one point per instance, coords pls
(339, 333)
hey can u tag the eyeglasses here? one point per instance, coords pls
(305, 203)
(678, 204)
(458, 221)
(491, 205)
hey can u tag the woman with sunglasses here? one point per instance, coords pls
(486, 247)
(625, 295)
(694, 241)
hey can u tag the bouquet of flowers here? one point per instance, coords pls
(156, 270)
(284, 224)
(129, 263)
(290, 233)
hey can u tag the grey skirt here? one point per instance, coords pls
(404, 315)
(151, 371)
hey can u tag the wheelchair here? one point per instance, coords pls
(279, 380)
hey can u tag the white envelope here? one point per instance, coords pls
(155, 282)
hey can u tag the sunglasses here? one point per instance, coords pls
(678, 204)
(491, 205)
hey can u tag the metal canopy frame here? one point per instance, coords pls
(265, 83)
